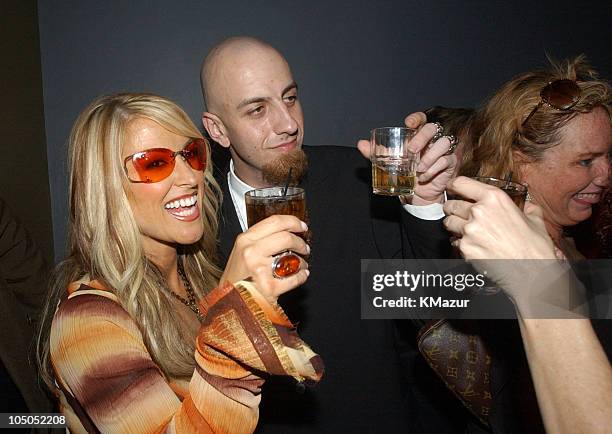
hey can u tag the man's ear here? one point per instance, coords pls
(215, 128)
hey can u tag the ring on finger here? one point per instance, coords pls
(453, 144)
(439, 132)
(285, 264)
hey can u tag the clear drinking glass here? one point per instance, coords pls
(393, 164)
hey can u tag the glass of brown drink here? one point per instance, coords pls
(265, 202)
(393, 164)
(516, 191)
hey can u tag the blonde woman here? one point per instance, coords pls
(144, 338)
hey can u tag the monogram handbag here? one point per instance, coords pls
(459, 356)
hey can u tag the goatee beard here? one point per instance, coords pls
(276, 171)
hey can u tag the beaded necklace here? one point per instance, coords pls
(190, 302)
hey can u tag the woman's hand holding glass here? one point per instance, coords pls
(494, 235)
(492, 227)
(255, 251)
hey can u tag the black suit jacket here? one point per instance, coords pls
(361, 390)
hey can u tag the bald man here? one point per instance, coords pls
(253, 110)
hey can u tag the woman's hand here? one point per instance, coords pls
(493, 227)
(254, 252)
(557, 349)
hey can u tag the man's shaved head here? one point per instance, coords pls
(252, 108)
(222, 56)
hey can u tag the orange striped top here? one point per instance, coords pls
(108, 382)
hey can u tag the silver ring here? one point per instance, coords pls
(285, 264)
(453, 144)
(439, 132)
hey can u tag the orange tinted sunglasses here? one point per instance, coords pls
(156, 164)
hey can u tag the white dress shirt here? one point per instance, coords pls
(237, 189)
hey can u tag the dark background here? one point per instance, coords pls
(359, 64)
(24, 180)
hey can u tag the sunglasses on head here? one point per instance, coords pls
(156, 164)
(559, 94)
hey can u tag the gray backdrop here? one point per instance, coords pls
(359, 64)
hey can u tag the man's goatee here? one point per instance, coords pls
(276, 171)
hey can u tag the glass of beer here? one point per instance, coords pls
(516, 191)
(393, 164)
(265, 202)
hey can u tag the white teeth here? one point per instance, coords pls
(185, 212)
(182, 203)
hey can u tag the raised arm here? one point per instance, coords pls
(571, 373)
(109, 380)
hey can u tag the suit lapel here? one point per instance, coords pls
(229, 226)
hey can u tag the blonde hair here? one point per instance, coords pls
(105, 241)
(498, 129)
